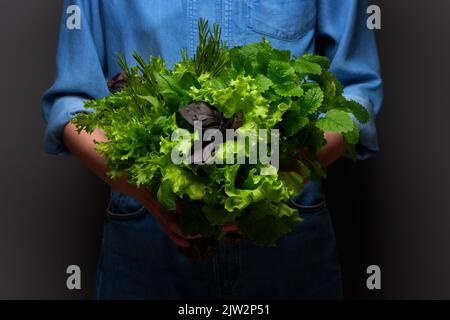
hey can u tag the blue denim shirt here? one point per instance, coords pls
(86, 57)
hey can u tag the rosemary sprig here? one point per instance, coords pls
(212, 54)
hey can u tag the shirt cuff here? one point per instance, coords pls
(368, 139)
(63, 110)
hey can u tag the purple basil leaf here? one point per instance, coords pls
(201, 111)
(117, 82)
(237, 121)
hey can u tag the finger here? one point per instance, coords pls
(170, 221)
(173, 224)
(165, 217)
(180, 206)
(177, 240)
(197, 236)
(230, 227)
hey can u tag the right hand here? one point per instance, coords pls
(167, 220)
(83, 146)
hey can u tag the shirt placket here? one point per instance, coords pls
(192, 13)
(227, 21)
(224, 15)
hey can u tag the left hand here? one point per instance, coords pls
(333, 150)
(230, 227)
(227, 227)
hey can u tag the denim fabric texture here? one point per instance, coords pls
(138, 261)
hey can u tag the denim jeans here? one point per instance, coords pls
(138, 261)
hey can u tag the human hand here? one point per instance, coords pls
(167, 220)
(333, 150)
(83, 145)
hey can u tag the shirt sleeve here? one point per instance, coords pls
(345, 38)
(80, 72)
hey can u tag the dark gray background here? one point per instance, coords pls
(392, 210)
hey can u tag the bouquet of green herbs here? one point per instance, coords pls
(245, 88)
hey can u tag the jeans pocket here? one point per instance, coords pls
(283, 19)
(123, 207)
(317, 206)
(309, 212)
